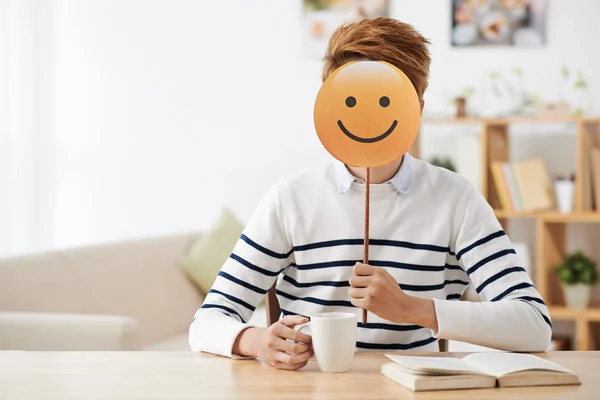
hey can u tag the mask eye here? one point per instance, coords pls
(350, 101)
(384, 101)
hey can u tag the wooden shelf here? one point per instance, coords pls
(572, 314)
(582, 217)
(511, 120)
(551, 216)
(593, 314)
(504, 214)
(450, 120)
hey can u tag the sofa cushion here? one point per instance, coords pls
(41, 282)
(176, 342)
(208, 254)
(67, 332)
(140, 279)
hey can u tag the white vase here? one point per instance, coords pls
(564, 190)
(578, 295)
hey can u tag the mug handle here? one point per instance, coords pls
(302, 326)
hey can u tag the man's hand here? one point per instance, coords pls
(271, 345)
(375, 290)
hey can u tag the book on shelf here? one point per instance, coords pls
(513, 190)
(595, 164)
(477, 370)
(534, 184)
(501, 187)
(523, 186)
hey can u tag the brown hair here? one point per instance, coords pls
(381, 39)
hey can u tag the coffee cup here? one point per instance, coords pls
(333, 340)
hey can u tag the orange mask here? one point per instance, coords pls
(367, 114)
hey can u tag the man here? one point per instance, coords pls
(431, 233)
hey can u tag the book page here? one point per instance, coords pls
(440, 365)
(500, 364)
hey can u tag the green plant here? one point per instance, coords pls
(468, 91)
(518, 71)
(316, 4)
(580, 83)
(536, 100)
(443, 162)
(577, 268)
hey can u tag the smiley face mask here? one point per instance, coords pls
(367, 114)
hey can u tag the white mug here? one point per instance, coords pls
(333, 340)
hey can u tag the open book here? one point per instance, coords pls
(479, 370)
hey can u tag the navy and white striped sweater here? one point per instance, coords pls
(430, 228)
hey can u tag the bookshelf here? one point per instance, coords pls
(550, 247)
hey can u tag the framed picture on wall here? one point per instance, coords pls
(322, 17)
(518, 23)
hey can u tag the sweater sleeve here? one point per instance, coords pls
(513, 315)
(258, 257)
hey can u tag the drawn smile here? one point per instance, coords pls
(367, 140)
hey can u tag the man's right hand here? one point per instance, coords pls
(271, 344)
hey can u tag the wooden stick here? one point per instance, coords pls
(366, 244)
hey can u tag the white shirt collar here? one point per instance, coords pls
(402, 181)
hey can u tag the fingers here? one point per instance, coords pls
(363, 269)
(293, 320)
(360, 302)
(282, 353)
(291, 359)
(285, 332)
(358, 293)
(359, 281)
(288, 355)
(288, 367)
(290, 347)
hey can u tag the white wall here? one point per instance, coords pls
(571, 40)
(21, 154)
(163, 111)
(4, 230)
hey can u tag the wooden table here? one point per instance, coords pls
(164, 375)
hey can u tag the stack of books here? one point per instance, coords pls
(523, 186)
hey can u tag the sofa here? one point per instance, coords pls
(131, 295)
(121, 296)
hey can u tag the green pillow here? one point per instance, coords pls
(206, 256)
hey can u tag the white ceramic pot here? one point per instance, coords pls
(578, 295)
(564, 190)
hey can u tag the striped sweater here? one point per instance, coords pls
(429, 228)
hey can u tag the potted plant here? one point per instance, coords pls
(577, 274)
(461, 102)
(443, 162)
